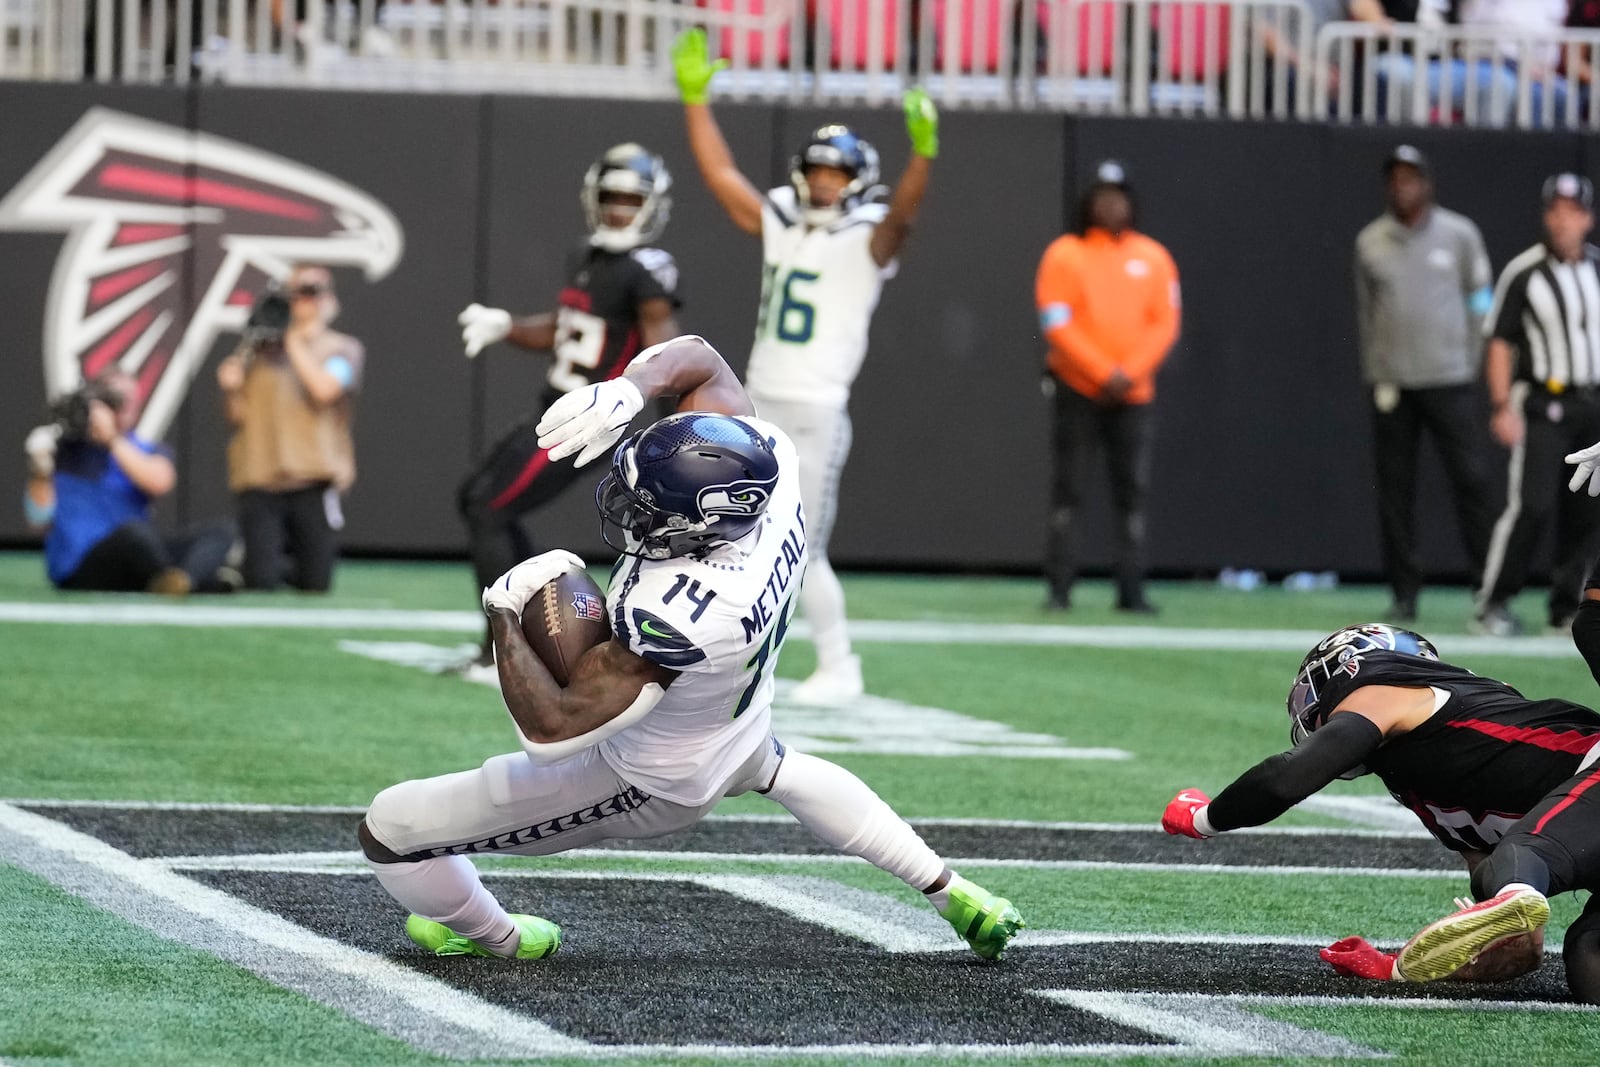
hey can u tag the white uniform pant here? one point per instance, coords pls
(821, 436)
(513, 805)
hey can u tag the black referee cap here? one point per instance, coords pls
(1410, 156)
(1569, 186)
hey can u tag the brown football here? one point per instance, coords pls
(564, 620)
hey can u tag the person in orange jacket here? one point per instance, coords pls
(1108, 307)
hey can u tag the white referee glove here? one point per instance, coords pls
(1588, 461)
(40, 446)
(482, 327)
(513, 589)
(589, 420)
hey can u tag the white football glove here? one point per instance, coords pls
(40, 446)
(513, 589)
(589, 420)
(482, 327)
(1588, 461)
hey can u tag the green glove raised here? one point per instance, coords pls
(691, 62)
(922, 123)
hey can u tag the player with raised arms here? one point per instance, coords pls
(827, 246)
(672, 713)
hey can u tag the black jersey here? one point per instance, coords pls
(597, 319)
(1484, 759)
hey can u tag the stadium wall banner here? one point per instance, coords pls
(136, 224)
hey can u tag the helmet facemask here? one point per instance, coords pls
(838, 147)
(1305, 702)
(630, 170)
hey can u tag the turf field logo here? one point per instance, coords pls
(170, 234)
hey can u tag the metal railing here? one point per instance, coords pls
(1457, 75)
(1224, 58)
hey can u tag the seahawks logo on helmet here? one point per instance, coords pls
(735, 498)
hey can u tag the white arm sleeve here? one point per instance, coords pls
(556, 751)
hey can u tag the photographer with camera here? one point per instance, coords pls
(90, 483)
(287, 393)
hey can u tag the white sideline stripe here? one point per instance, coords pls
(1410, 830)
(1223, 1029)
(396, 1000)
(351, 862)
(1421, 1003)
(875, 631)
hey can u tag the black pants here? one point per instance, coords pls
(127, 558)
(1555, 848)
(287, 538)
(513, 479)
(1536, 492)
(1454, 416)
(1082, 429)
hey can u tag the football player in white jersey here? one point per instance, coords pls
(827, 249)
(674, 712)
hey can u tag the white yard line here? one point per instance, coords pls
(1344, 804)
(873, 631)
(396, 1000)
(342, 862)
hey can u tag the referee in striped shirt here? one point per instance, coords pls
(1543, 369)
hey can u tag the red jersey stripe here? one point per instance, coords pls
(1575, 742)
(1578, 791)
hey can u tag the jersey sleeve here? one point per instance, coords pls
(1504, 321)
(657, 278)
(666, 617)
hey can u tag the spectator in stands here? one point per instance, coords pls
(91, 480)
(292, 454)
(1492, 82)
(1422, 287)
(1108, 309)
(1281, 48)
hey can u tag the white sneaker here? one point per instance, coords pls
(837, 683)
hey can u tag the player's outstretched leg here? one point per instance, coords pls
(452, 913)
(843, 811)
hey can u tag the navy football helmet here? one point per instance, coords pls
(686, 484)
(834, 146)
(1306, 711)
(627, 168)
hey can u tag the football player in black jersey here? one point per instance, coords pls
(1510, 783)
(621, 297)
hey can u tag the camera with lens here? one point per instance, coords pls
(71, 412)
(268, 320)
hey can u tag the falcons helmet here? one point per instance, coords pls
(628, 169)
(686, 484)
(1306, 706)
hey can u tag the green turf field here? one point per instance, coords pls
(276, 720)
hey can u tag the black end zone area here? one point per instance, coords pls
(672, 963)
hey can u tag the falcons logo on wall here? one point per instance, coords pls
(171, 234)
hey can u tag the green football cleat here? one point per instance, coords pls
(985, 921)
(540, 938)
